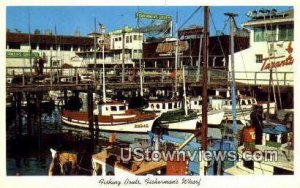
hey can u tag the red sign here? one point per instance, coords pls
(269, 63)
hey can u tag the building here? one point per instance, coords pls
(271, 47)
(160, 53)
(23, 50)
(130, 42)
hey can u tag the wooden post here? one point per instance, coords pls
(29, 115)
(65, 97)
(38, 121)
(90, 116)
(18, 109)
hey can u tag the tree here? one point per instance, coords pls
(17, 30)
(37, 32)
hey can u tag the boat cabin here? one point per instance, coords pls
(113, 107)
(164, 106)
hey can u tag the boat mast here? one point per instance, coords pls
(95, 48)
(103, 67)
(203, 166)
(176, 56)
(140, 61)
(233, 86)
(184, 92)
(29, 43)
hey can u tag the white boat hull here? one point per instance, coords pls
(213, 117)
(137, 127)
(180, 125)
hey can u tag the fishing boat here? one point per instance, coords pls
(109, 162)
(276, 153)
(243, 108)
(112, 116)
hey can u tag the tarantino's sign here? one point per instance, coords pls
(269, 63)
(22, 55)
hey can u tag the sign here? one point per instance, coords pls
(269, 63)
(152, 16)
(169, 48)
(126, 29)
(21, 54)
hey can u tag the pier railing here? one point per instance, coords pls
(263, 78)
(82, 75)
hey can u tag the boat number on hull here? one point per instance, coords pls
(141, 126)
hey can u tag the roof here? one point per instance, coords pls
(281, 17)
(48, 39)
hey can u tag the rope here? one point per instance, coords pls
(190, 17)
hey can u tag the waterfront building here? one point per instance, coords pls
(160, 53)
(128, 41)
(23, 50)
(271, 46)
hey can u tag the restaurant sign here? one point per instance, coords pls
(11, 54)
(167, 49)
(269, 63)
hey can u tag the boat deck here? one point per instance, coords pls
(138, 167)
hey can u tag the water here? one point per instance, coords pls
(25, 157)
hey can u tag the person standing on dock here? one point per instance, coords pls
(41, 62)
(35, 66)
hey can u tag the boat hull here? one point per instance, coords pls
(142, 126)
(213, 117)
(180, 125)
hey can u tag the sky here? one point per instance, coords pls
(68, 19)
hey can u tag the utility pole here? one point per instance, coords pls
(203, 164)
(233, 87)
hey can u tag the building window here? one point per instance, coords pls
(135, 37)
(264, 34)
(259, 58)
(286, 33)
(14, 45)
(130, 39)
(127, 39)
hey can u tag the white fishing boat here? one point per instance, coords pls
(112, 116)
(214, 116)
(276, 153)
(243, 108)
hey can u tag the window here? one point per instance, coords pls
(195, 102)
(286, 33)
(127, 39)
(249, 101)
(130, 39)
(169, 105)
(175, 105)
(259, 58)
(157, 106)
(122, 108)
(134, 37)
(243, 102)
(163, 106)
(264, 34)
(113, 108)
